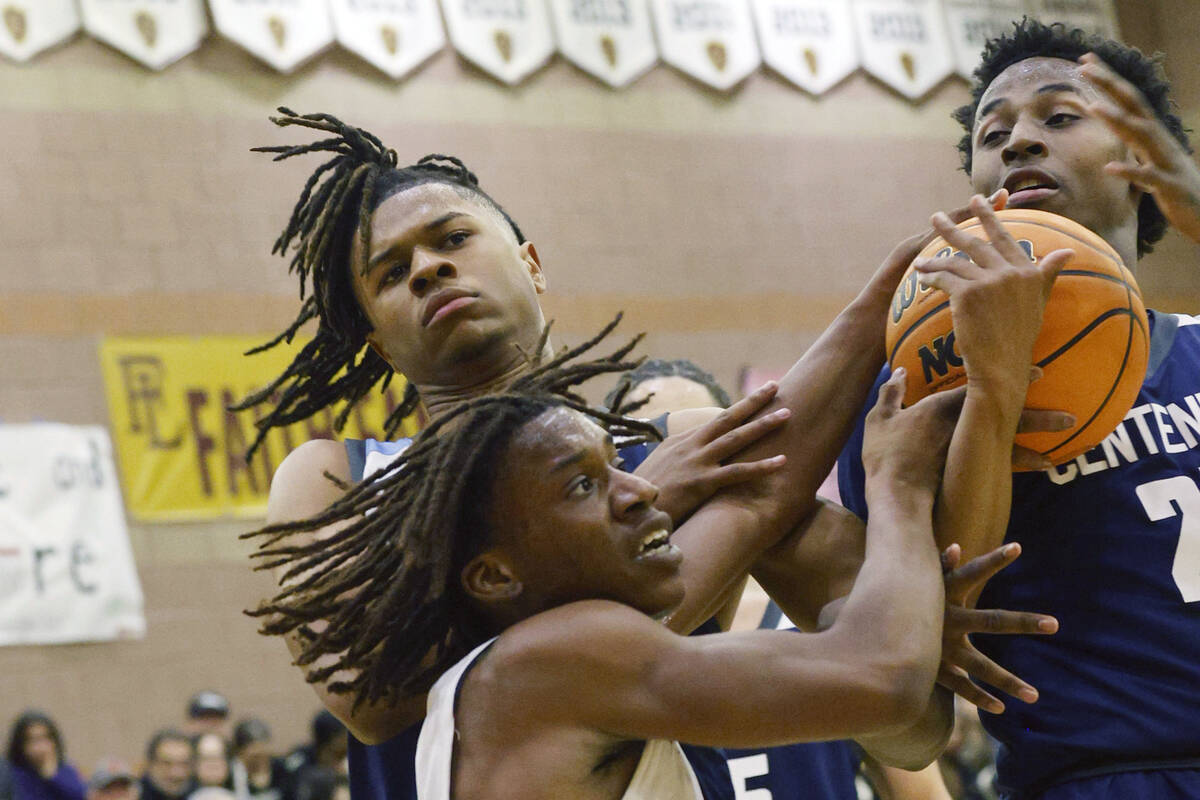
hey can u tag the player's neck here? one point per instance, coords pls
(1123, 238)
(440, 397)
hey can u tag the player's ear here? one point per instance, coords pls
(533, 263)
(490, 578)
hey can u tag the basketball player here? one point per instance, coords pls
(1083, 128)
(448, 293)
(507, 539)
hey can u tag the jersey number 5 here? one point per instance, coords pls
(741, 769)
(1168, 498)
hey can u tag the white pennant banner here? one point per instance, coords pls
(31, 26)
(609, 39)
(711, 40)
(1094, 16)
(66, 569)
(156, 33)
(282, 33)
(971, 23)
(904, 43)
(809, 42)
(508, 39)
(393, 35)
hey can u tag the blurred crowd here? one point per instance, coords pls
(210, 757)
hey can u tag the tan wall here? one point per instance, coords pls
(732, 228)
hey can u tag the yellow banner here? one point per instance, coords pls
(182, 453)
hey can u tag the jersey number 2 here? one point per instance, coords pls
(1168, 498)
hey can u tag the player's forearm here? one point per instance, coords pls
(976, 495)
(894, 613)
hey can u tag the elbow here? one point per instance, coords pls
(903, 694)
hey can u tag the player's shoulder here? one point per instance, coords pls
(575, 633)
(302, 487)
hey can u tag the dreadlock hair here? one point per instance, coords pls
(1033, 39)
(662, 368)
(335, 205)
(387, 583)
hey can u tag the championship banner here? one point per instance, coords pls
(508, 39)
(971, 23)
(710, 40)
(904, 43)
(809, 42)
(283, 33)
(1094, 16)
(156, 33)
(182, 454)
(66, 569)
(31, 26)
(395, 36)
(609, 39)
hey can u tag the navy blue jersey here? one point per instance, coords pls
(1111, 546)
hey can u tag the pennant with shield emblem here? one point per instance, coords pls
(30, 26)
(1093, 16)
(904, 43)
(809, 42)
(395, 36)
(508, 39)
(151, 32)
(282, 33)
(971, 23)
(710, 40)
(611, 40)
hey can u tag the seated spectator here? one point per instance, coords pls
(257, 773)
(36, 753)
(322, 783)
(6, 780)
(207, 712)
(169, 765)
(327, 748)
(112, 779)
(212, 760)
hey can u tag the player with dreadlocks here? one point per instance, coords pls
(1082, 127)
(505, 541)
(416, 270)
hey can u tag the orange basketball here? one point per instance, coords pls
(1092, 347)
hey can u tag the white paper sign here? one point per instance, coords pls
(711, 40)
(508, 39)
(282, 33)
(27, 27)
(809, 42)
(156, 33)
(394, 35)
(610, 39)
(971, 23)
(904, 43)
(66, 569)
(1094, 16)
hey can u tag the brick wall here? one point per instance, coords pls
(732, 228)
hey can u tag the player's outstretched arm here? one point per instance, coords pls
(619, 672)
(301, 489)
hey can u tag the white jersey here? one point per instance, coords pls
(663, 773)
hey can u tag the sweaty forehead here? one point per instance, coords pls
(554, 434)
(1022, 80)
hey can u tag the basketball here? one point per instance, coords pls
(1092, 348)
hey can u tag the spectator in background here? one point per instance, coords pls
(207, 712)
(169, 765)
(211, 760)
(316, 766)
(323, 784)
(6, 780)
(257, 773)
(112, 779)
(36, 753)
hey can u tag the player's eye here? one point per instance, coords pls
(993, 136)
(396, 273)
(1060, 119)
(456, 238)
(581, 486)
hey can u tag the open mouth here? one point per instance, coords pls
(1029, 186)
(655, 541)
